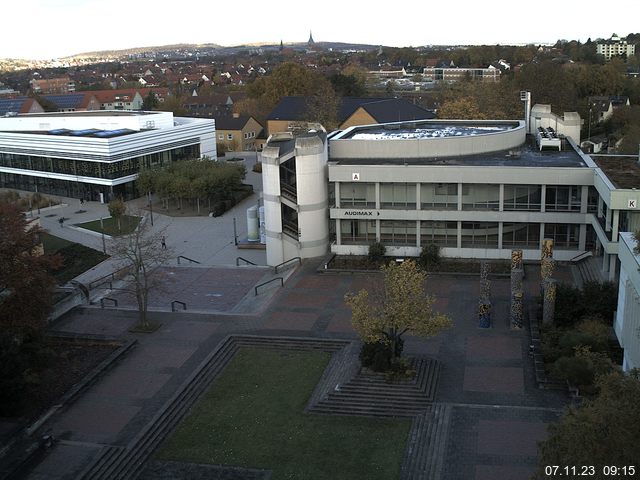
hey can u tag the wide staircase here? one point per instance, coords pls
(117, 462)
(589, 270)
(426, 446)
(372, 394)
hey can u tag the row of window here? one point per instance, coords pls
(110, 170)
(444, 196)
(445, 234)
(247, 135)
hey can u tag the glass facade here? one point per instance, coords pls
(358, 194)
(479, 235)
(83, 168)
(358, 232)
(444, 234)
(564, 236)
(563, 198)
(440, 196)
(480, 197)
(522, 197)
(107, 170)
(398, 232)
(521, 235)
(398, 195)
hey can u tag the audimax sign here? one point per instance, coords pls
(361, 213)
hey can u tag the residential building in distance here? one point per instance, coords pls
(601, 108)
(96, 155)
(290, 112)
(121, 99)
(238, 132)
(456, 74)
(615, 47)
(13, 106)
(50, 86)
(72, 102)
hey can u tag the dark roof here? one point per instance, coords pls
(229, 122)
(12, 105)
(382, 109)
(69, 100)
(624, 172)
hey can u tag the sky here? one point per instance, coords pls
(47, 29)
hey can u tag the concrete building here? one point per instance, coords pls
(294, 172)
(50, 86)
(615, 47)
(478, 189)
(95, 155)
(627, 319)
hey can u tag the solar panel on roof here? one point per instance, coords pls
(86, 131)
(66, 101)
(113, 133)
(58, 131)
(11, 105)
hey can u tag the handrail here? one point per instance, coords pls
(265, 283)
(577, 258)
(173, 305)
(249, 262)
(111, 276)
(275, 269)
(187, 258)
(115, 301)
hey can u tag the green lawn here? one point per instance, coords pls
(253, 417)
(128, 224)
(76, 258)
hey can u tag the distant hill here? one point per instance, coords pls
(213, 46)
(142, 50)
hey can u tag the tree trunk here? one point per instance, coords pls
(198, 200)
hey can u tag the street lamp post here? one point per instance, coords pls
(150, 207)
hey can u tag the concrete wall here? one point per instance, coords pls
(627, 320)
(567, 125)
(344, 147)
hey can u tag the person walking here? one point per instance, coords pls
(164, 243)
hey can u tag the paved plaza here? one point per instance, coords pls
(497, 412)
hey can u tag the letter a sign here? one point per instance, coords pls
(355, 177)
(632, 203)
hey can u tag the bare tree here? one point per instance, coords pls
(143, 252)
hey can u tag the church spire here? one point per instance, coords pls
(310, 42)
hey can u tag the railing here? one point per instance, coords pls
(581, 256)
(115, 301)
(111, 277)
(275, 269)
(182, 304)
(187, 258)
(266, 283)
(248, 262)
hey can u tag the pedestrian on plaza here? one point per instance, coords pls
(61, 222)
(164, 243)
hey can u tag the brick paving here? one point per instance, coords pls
(487, 376)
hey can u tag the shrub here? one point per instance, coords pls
(429, 256)
(377, 251)
(257, 167)
(376, 356)
(578, 371)
(400, 369)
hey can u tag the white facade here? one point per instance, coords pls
(614, 47)
(90, 153)
(294, 176)
(627, 319)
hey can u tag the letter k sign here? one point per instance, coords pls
(632, 204)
